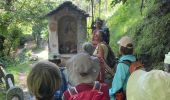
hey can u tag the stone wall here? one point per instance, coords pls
(78, 35)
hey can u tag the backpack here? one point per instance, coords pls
(111, 59)
(93, 94)
(133, 66)
(106, 35)
(58, 94)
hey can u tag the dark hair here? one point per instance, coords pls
(128, 50)
(101, 33)
(99, 22)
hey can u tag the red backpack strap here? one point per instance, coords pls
(72, 91)
(97, 86)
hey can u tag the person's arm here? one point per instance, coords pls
(100, 52)
(119, 79)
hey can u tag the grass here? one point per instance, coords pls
(20, 69)
(16, 70)
(2, 96)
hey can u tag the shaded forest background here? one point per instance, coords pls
(147, 21)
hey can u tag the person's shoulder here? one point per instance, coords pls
(103, 44)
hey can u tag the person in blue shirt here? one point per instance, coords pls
(122, 72)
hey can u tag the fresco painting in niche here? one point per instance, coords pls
(67, 31)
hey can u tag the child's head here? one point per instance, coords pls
(126, 45)
(43, 80)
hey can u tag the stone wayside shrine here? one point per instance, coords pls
(67, 30)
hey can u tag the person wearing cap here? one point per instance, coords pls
(83, 70)
(152, 85)
(63, 71)
(140, 84)
(122, 72)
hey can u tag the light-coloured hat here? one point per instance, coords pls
(82, 68)
(153, 85)
(167, 58)
(124, 41)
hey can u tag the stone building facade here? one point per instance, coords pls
(67, 30)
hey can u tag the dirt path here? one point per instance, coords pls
(42, 55)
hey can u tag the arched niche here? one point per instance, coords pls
(67, 35)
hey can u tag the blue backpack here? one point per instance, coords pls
(58, 94)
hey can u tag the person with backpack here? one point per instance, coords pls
(152, 85)
(99, 25)
(118, 89)
(83, 70)
(58, 94)
(101, 52)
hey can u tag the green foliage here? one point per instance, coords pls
(123, 18)
(150, 31)
(114, 2)
(18, 17)
(152, 37)
(2, 96)
(19, 68)
(25, 38)
(12, 40)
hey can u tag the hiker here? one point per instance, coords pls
(98, 26)
(106, 31)
(58, 94)
(43, 80)
(88, 48)
(122, 71)
(83, 70)
(152, 85)
(101, 52)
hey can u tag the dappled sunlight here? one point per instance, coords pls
(43, 54)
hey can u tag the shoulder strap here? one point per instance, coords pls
(97, 86)
(72, 91)
(127, 62)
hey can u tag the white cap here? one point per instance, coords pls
(167, 58)
(124, 41)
